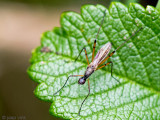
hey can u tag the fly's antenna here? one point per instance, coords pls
(101, 23)
(128, 38)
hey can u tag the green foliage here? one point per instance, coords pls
(127, 2)
(158, 5)
(136, 64)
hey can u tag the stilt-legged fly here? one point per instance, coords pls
(97, 61)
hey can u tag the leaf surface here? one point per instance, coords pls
(136, 64)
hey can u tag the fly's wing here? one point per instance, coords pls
(102, 54)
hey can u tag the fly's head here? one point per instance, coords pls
(90, 69)
(82, 80)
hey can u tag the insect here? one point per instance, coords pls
(97, 62)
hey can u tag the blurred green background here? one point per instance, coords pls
(21, 24)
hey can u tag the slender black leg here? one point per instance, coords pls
(85, 54)
(112, 71)
(85, 98)
(114, 77)
(94, 46)
(66, 82)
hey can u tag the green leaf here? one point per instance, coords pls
(127, 2)
(158, 5)
(136, 64)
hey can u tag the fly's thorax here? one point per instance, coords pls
(90, 69)
(93, 65)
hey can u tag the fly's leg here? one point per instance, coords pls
(85, 98)
(121, 45)
(111, 69)
(66, 82)
(85, 54)
(94, 46)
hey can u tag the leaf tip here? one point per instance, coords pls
(151, 9)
